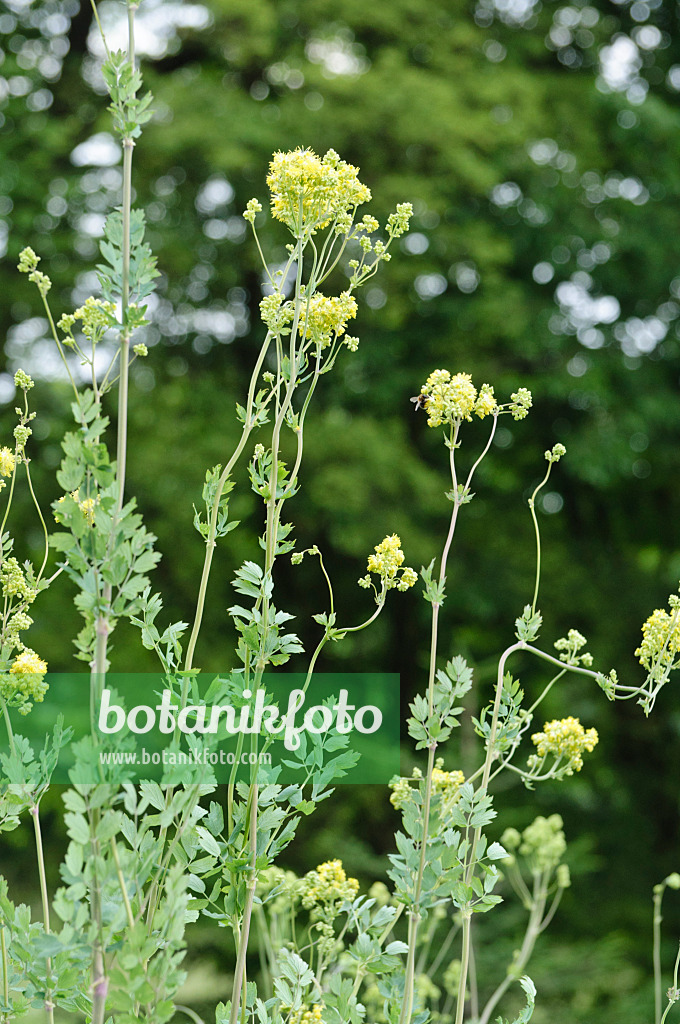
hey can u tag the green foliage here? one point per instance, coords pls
(492, 206)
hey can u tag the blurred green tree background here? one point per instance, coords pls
(539, 144)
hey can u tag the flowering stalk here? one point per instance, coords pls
(444, 404)
(49, 1005)
(534, 928)
(672, 881)
(102, 629)
(552, 456)
(673, 993)
(5, 971)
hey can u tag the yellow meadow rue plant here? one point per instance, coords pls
(144, 862)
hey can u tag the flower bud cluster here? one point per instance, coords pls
(253, 207)
(23, 381)
(21, 436)
(28, 264)
(661, 638)
(520, 403)
(542, 844)
(556, 453)
(398, 222)
(14, 583)
(307, 1016)
(444, 784)
(95, 316)
(569, 647)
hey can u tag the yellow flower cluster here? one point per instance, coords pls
(448, 398)
(307, 192)
(328, 884)
(95, 315)
(451, 398)
(28, 663)
(7, 462)
(327, 317)
(565, 738)
(321, 321)
(387, 564)
(25, 681)
(87, 506)
(444, 784)
(661, 637)
(303, 1016)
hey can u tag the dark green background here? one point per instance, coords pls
(445, 105)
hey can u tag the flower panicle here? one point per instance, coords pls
(449, 399)
(388, 564)
(308, 192)
(565, 739)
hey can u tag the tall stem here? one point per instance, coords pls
(8, 723)
(414, 917)
(458, 498)
(99, 665)
(656, 928)
(239, 973)
(212, 530)
(486, 772)
(49, 1005)
(672, 992)
(534, 928)
(532, 508)
(5, 970)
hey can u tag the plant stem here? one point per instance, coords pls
(532, 509)
(190, 1014)
(656, 928)
(460, 1006)
(522, 958)
(407, 1005)
(59, 345)
(42, 521)
(49, 1005)
(674, 990)
(121, 882)
(10, 732)
(247, 912)
(99, 666)
(212, 531)
(5, 969)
